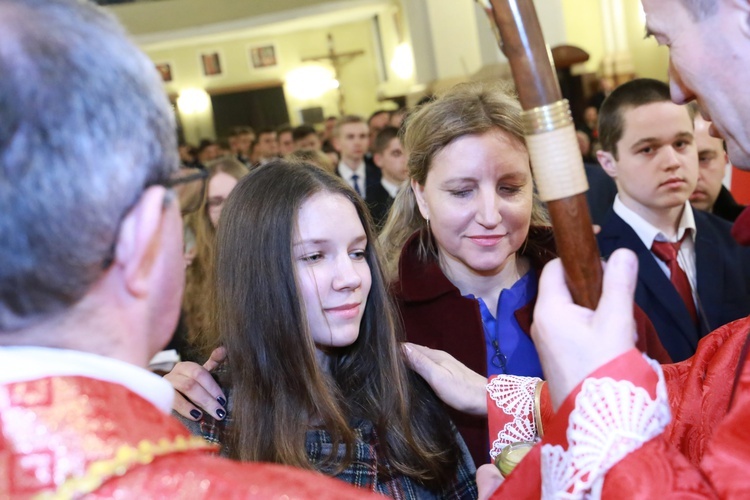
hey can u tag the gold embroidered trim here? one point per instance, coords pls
(126, 457)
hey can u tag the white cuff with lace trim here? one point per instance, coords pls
(610, 420)
(515, 396)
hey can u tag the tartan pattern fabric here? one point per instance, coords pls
(363, 470)
(212, 429)
(368, 469)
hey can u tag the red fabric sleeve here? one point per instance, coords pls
(703, 453)
(660, 470)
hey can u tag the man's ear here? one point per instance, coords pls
(139, 240)
(377, 159)
(418, 191)
(335, 142)
(608, 163)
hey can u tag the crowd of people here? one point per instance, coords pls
(254, 148)
(378, 301)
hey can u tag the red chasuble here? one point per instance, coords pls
(68, 437)
(637, 430)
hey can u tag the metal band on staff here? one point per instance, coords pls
(553, 148)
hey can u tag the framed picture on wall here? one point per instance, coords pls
(165, 70)
(211, 63)
(263, 56)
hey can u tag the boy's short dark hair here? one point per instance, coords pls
(632, 94)
(238, 131)
(376, 113)
(302, 131)
(284, 129)
(384, 138)
(264, 131)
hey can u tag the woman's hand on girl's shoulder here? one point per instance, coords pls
(457, 385)
(196, 390)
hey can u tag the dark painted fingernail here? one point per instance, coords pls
(222, 401)
(195, 414)
(221, 413)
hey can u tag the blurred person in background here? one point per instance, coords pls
(285, 140)
(208, 150)
(305, 137)
(710, 194)
(266, 146)
(326, 135)
(390, 157)
(223, 175)
(377, 121)
(397, 117)
(240, 141)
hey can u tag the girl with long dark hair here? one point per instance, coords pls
(314, 374)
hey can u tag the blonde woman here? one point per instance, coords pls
(223, 175)
(465, 245)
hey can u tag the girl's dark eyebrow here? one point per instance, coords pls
(319, 241)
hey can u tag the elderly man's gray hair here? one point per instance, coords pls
(85, 126)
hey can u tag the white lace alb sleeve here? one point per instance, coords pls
(611, 419)
(514, 395)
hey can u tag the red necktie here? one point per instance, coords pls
(667, 252)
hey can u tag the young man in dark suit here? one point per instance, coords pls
(710, 194)
(692, 277)
(389, 156)
(351, 139)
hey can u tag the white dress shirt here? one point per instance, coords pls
(347, 172)
(648, 234)
(390, 187)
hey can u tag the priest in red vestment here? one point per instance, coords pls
(91, 273)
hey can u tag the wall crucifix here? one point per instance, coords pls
(337, 60)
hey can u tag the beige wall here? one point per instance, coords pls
(359, 77)
(649, 60)
(584, 27)
(574, 22)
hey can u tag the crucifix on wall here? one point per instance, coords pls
(337, 60)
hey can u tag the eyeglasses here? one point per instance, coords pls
(184, 179)
(188, 183)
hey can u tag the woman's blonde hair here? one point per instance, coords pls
(313, 156)
(201, 335)
(466, 109)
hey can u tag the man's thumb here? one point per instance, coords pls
(618, 286)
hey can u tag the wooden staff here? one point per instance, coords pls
(550, 135)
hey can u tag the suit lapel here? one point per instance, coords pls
(618, 234)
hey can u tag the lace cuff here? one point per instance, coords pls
(515, 396)
(611, 419)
